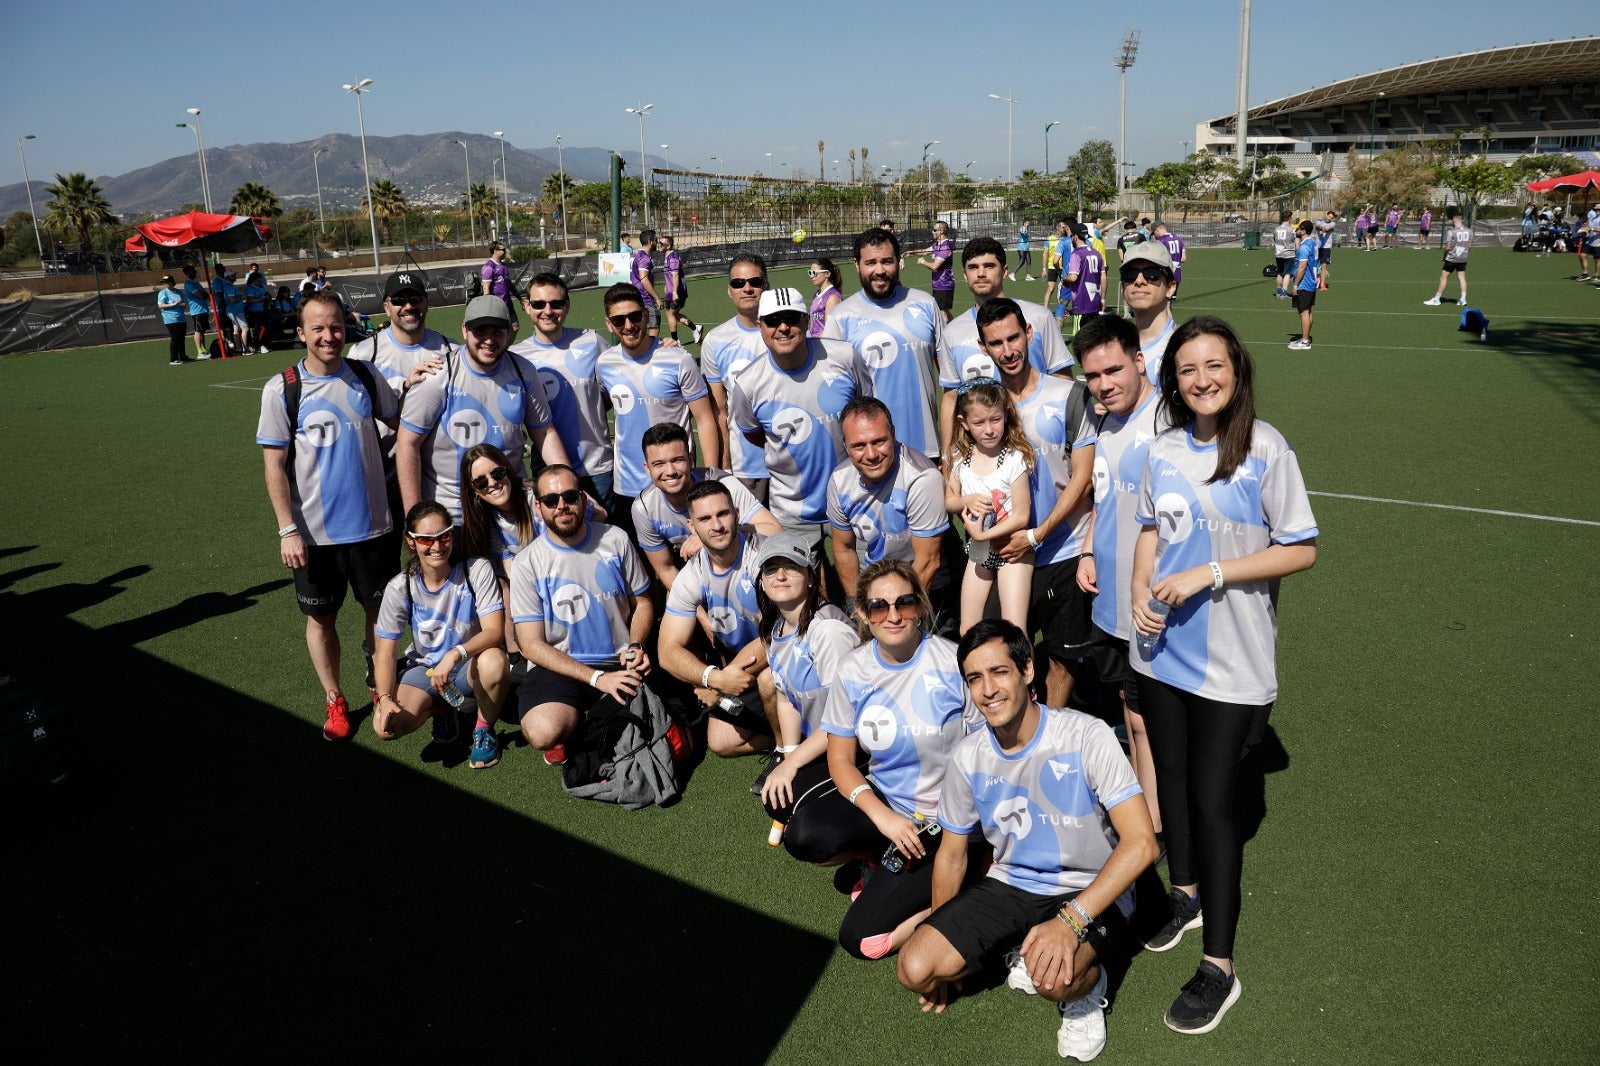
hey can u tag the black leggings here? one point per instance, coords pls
(175, 332)
(1024, 260)
(1196, 744)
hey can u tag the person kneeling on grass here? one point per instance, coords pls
(457, 621)
(1051, 792)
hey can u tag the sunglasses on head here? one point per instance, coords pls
(540, 305)
(550, 499)
(631, 318)
(494, 476)
(878, 609)
(428, 540)
(1153, 274)
(754, 283)
(784, 318)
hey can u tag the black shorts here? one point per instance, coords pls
(542, 686)
(748, 714)
(1111, 658)
(365, 568)
(1059, 610)
(1052, 274)
(201, 322)
(676, 303)
(1304, 299)
(1324, 255)
(991, 918)
(945, 298)
(1454, 268)
(1286, 267)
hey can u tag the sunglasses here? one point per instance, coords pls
(784, 318)
(402, 299)
(540, 305)
(754, 283)
(634, 318)
(1153, 274)
(878, 609)
(428, 540)
(814, 273)
(550, 499)
(494, 476)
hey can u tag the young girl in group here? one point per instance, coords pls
(456, 618)
(990, 462)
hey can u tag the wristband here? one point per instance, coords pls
(856, 792)
(594, 682)
(1033, 541)
(1070, 920)
(1075, 905)
(705, 677)
(1087, 555)
(288, 530)
(1216, 575)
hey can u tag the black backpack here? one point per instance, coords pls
(36, 742)
(292, 386)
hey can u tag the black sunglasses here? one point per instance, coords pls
(754, 283)
(784, 318)
(878, 609)
(402, 299)
(496, 475)
(540, 305)
(550, 499)
(1153, 274)
(633, 317)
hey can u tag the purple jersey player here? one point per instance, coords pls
(1175, 248)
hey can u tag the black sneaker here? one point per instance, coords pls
(1186, 915)
(1204, 1000)
(769, 759)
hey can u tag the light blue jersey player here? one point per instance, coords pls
(582, 594)
(726, 350)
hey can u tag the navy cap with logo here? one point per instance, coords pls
(405, 281)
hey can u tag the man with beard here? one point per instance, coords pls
(788, 402)
(713, 602)
(727, 349)
(1147, 292)
(897, 333)
(961, 354)
(1054, 416)
(661, 513)
(324, 474)
(496, 278)
(566, 361)
(483, 395)
(580, 601)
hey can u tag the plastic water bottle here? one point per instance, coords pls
(452, 695)
(1147, 644)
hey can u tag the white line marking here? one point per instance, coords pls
(252, 384)
(1456, 507)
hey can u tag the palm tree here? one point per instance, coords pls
(253, 198)
(482, 202)
(866, 171)
(388, 203)
(550, 191)
(77, 205)
(852, 166)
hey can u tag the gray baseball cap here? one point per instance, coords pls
(790, 547)
(487, 311)
(1151, 252)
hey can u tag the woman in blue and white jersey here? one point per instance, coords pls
(1224, 516)
(457, 621)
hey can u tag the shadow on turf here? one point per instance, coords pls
(1564, 357)
(223, 883)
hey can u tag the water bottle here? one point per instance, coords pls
(452, 695)
(1147, 644)
(730, 704)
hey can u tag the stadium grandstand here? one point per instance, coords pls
(1531, 98)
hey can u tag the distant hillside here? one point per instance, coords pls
(428, 168)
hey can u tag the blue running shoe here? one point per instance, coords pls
(485, 748)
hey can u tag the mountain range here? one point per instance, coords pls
(429, 168)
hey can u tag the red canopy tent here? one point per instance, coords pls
(1588, 179)
(207, 232)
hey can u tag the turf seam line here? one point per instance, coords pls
(1456, 507)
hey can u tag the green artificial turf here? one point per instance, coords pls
(223, 883)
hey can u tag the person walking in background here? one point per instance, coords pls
(1024, 254)
(496, 276)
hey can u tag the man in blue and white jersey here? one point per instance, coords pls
(170, 302)
(961, 354)
(484, 394)
(1327, 226)
(897, 332)
(661, 513)
(788, 402)
(885, 501)
(1051, 793)
(580, 600)
(567, 360)
(725, 351)
(1307, 271)
(1054, 415)
(325, 479)
(709, 636)
(199, 310)
(1147, 291)
(405, 352)
(647, 383)
(1283, 246)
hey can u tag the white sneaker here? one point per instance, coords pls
(1300, 346)
(1030, 277)
(1017, 977)
(1011, 277)
(203, 355)
(262, 350)
(1083, 1024)
(698, 331)
(1432, 303)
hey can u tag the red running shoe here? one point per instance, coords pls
(337, 727)
(556, 756)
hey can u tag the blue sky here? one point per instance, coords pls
(102, 85)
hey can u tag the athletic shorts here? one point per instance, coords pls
(1324, 255)
(1059, 610)
(1052, 274)
(652, 318)
(417, 677)
(1286, 267)
(945, 298)
(543, 686)
(748, 715)
(1111, 658)
(365, 568)
(990, 918)
(1304, 299)
(1388, 229)
(1454, 268)
(675, 303)
(1423, 233)
(201, 322)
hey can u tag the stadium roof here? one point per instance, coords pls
(1575, 60)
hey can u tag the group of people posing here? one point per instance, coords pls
(770, 533)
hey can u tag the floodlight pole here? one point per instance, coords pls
(927, 174)
(316, 172)
(205, 200)
(472, 222)
(1241, 121)
(1056, 122)
(1010, 102)
(37, 239)
(644, 168)
(200, 141)
(505, 178)
(561, 170)
(364, 85)
(1126, 55)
